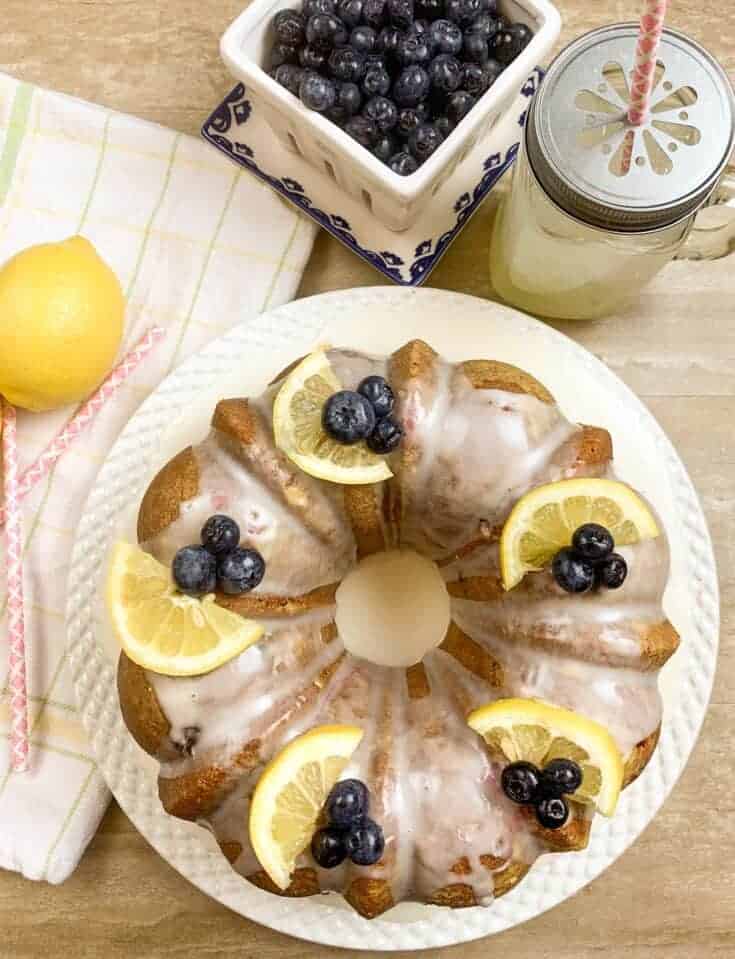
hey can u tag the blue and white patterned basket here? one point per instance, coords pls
(407, 258)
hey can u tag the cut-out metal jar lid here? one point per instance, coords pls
(601, 169)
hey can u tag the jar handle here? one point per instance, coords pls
(713, 233)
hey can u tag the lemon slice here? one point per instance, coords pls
(291, 793)
(544, 520)
(297, 426)
(527, 729)
(165, 631)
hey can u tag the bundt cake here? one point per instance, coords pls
(478, 436)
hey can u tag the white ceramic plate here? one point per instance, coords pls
(380, 320)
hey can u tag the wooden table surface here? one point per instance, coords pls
(673, 894)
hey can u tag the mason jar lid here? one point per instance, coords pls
(598, 167)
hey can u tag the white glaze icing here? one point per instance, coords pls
(433, 787)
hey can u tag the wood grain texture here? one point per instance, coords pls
(672, 896)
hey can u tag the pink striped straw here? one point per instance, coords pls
(63, 440)
(14, 561)
(649, 38)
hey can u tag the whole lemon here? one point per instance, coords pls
(61, 322)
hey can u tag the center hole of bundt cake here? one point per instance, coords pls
(393, 608)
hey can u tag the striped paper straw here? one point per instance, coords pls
(649, 37)
(84, 417)
(14, 562)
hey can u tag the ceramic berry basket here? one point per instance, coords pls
(395, 201)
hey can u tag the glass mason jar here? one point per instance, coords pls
(597, 207)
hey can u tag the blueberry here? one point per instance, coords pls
(348, 803)
(520, 782)
(325, 31)
(384, 113)
(349, 98)
(289, 27)
(365, 843)
(446, 36)
(409, 118)
(424, 141)
(411, 87)
(350, 12)
(430, 9)
(376, 81)
(552, 812)
(412, 50)
(328, 847)
(311, 59)
(459, 105)
(445, 73)
(377, 391)
(494, 69)
(312, 7)
(346, 105)
(387, 42)
(317, 92)
(611, 573)
(290, 77)
(486, 25)
(593, 542)
(220, 533)
(240, 570)
(195, 570)
(347, 416)
(572, 573)
(560, 777)
(443, 126)
(385, 147)
(387, 434)
(475, 79)
(462, 12)
(403, 164)
(419, 28)
(283, 53)
(474, 48)
(507, 44)
(401, 13)
(375, 13)
(347, 65)
(489, 6)
(363, 39)
(363, 130)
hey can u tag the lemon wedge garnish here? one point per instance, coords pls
(291, 793)
(163, 630)
(533, 731)
(544, 520)
(297, 426)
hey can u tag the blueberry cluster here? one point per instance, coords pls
(218, 562)
(396, 75)
(350, 416)
(590, 561)
(350, 832)
(544, 789)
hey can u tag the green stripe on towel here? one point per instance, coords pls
(19, 114)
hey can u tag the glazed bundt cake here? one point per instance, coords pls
(478, 436)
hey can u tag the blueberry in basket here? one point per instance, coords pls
(396, 75)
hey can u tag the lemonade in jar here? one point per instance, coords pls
(598, 206)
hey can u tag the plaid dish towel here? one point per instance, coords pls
(198, 247)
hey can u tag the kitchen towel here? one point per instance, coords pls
(199, 246)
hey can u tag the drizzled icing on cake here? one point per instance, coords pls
(468, 455)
